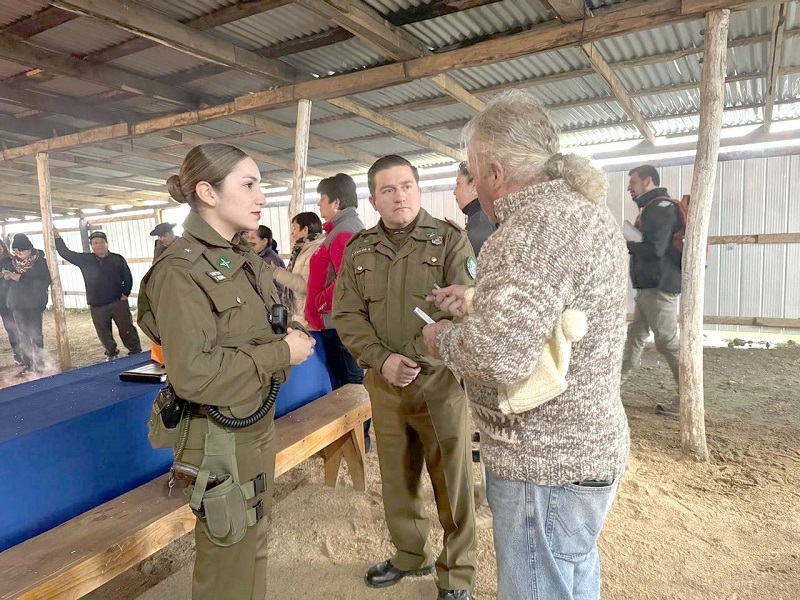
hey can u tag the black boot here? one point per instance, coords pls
(384, 574)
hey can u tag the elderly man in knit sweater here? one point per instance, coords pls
(552, 470)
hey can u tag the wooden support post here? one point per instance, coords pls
(712, 101)
(56, 291)
(300, 158)
(83, 228)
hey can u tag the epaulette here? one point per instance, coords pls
(455, 225)
(183, 250)
(360, 235)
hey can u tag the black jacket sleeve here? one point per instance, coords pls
(76, 258)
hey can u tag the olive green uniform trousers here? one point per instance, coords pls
(237, 572)
(657, 311)
(410, 431)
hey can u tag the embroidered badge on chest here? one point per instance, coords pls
(224, 263)
(472, 267)
(437, 240)
(216, 276)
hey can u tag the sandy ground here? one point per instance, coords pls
(728, 529)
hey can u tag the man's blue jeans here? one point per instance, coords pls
(545, 538)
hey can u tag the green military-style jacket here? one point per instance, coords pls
(206, 300)
(379, 286)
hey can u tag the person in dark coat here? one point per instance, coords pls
(5, 313)
(27, 298)
(165, 235)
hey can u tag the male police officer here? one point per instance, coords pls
(419, 409)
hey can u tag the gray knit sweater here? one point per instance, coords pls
(554, 250)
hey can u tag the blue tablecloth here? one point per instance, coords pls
(72, 441)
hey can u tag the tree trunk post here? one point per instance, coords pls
(300, 158)
(56, 291)
(712, 101)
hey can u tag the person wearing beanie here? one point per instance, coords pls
(28, 280)
(108, 281)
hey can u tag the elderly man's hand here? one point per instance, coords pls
(450, 299)
(399, 370)
(429, 333)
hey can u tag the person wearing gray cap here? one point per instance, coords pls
(165, 235)
(108, 282)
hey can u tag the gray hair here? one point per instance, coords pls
(515, 130)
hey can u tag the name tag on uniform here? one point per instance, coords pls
(362, 250)
(216, 276)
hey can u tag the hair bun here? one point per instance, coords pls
(174, 189)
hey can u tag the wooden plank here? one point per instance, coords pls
(148, 23)
(712, 102)
(75, 558)
(310, 428)
(56, 291)
(300, 158)
(761, 238)
(775, 54)
(604, 70)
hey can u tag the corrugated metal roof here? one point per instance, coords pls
(158, 61)
(480, 21)
(229, 83)
(183, 10)
(420, 89)
(350, 55)
(14, 10)
(273, 26)
(82, 36)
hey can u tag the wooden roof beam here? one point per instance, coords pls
(775, 55)
(568, 10)
(400, 129)
(618, 20)
(368, 25)
(148, 23)
(271, 128)
(17, 49)
(603, 69)
(58, 104)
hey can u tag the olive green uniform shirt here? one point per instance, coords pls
(205, 301)
(380, 285)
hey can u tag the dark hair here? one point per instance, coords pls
(265, 233)
(645, 171)
(310, 221)
(463, 169)
(387, 162)
(211, 163)
(340, 187)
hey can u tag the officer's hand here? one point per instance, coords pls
(399, 370)
(300, 345)
(429, 333)
(450, 299)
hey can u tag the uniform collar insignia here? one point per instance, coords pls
(224, 263)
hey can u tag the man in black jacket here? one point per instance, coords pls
(108, 282)
(656, 274)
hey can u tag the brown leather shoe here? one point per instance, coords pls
(384, 574)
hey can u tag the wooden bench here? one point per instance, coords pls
(82, 554)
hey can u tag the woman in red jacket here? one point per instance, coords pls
(337, 206)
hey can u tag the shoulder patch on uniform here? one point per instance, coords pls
(471, 267)
(664, 203)
(183, 250)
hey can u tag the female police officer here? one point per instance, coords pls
(207, 301)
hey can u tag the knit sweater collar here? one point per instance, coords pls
(539, 192)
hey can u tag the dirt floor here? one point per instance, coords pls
(728, 529)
